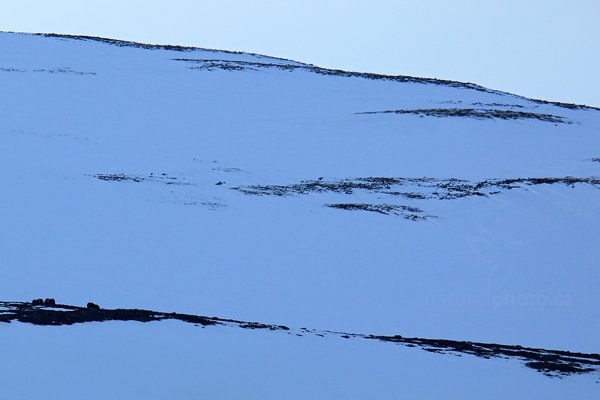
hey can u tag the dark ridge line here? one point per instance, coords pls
(125, 43)
(474, 113)
(226, 64)
(552, 363)
(146, 46)
(64, 314)
(397, 78)
(571, 106)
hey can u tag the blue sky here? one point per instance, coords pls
(544, 49)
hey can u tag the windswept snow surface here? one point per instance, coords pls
(262, 189)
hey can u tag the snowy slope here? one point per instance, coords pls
(261, 189)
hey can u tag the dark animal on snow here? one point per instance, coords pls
(37, 302)
(49, 302)
(93, 306)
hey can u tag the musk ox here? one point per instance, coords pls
(93, 306)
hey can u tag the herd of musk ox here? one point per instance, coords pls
(52, 302)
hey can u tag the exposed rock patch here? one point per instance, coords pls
(408, 188)
(498, 105)
(120, 177)
(411, 213)
(62, 70)
(413, 188)
(475, 113)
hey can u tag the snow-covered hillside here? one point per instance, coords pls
(252, 188)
